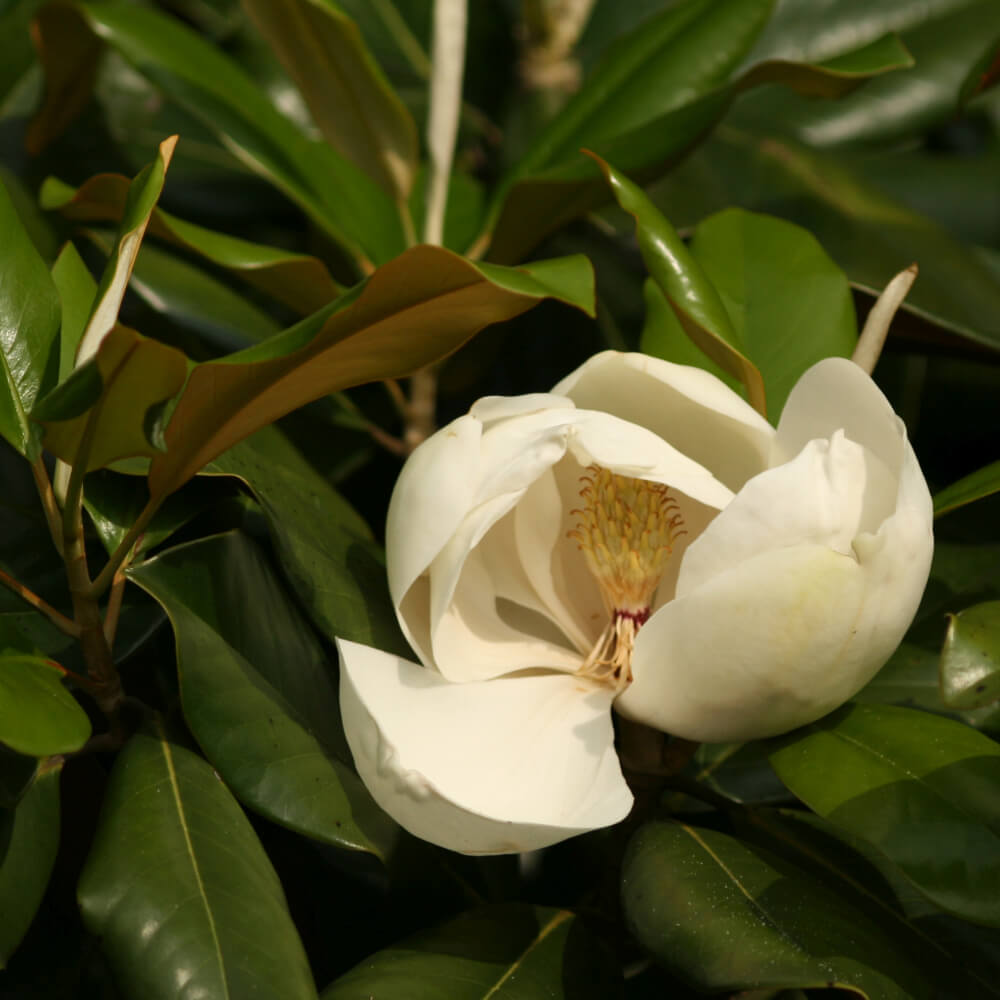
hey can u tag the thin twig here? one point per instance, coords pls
(58, 619)
(397, 395)
(104, 579)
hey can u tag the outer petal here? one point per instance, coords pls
(485, 768)
(698, 414)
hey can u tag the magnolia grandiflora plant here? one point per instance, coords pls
(639, 538)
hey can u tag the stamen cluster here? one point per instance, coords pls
(627, 530)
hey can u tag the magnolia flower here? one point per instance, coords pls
(639, 538)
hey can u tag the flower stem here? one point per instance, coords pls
(52, 515)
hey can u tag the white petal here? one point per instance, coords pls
(485, 768)
(779, 640)
(432, 495)
(693, 410)
(836, 394)
(815, 498)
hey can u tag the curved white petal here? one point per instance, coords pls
(509, 765)
(432, 495)
(693, 410)
(780, 639)
(835, 394)
(815, 498)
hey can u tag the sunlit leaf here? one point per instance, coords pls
(38, 716)
(77, 290)
(259, 692)
(178, 888)
(350, 99)
(919, 787)
(687, 288)
(413, 310)
(27, 858)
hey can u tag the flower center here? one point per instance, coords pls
(626, 531)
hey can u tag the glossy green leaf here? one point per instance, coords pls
(503, 952)
(103, 410)
(970, 660)
(858, 873)
(27, 860)
(29, 326)
(352, 103)
(38, 716)
(259, 692)
(178, 888)
(77, 291)
(298, 280)
(657, 92)
(687, 288)
(920, 788)
(740, 771)
(413, 310)
(790, 305)
(946, 40)
(337, 195)
(868, 233)
(325, 548)
(771, 924)
(982, 483)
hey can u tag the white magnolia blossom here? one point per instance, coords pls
(639, 537)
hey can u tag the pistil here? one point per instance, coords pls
(627, 530)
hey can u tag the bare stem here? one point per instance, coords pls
(114, 608)
(420, 409)
(58, 619)
(52, 516)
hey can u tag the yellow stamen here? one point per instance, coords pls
(626, 531)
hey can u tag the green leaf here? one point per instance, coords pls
(687, 288)
(200, 77)
(790, 305)
(298, 280)
(657, 92)
(38, 716)
(920, 788)
(17, 772)
(325, 548)
(772, 924)
(503, 952)
(412, 311)
(970, 660)
(259, 692)
(77, 291)
(982, 483)
(179, 889)
(103, 410)
(868, 232)
(27, 860)
(29, 326)
(352, 103)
